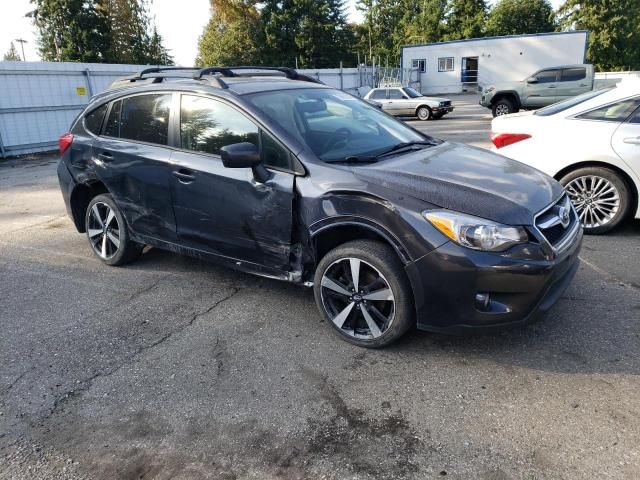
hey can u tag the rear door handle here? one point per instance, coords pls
(184, 175)
(632, 140)
(105, 156)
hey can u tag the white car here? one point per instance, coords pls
(406, 101)
(590, 143)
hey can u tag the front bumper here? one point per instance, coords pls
(443, 110)
(485, 100)
(446, 281)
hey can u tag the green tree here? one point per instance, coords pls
(233, 35)
(70, 30)
(466, 19)
(515, 17)
(614, 31)
(12, 54)
(311, 33)
(158, 53)
(382, 28)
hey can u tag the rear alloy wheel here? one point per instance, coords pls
(107, 232)
(363, 292)
(424, 113)
(502, 107)
(600, 197)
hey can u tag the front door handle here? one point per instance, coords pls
(184, 175)
(105, 157)
(551, 86)
(632, 140)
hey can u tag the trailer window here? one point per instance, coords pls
(445, 64)
(420, 64)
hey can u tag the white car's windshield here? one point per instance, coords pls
(412, 93)
(335, 125)
(571, 102)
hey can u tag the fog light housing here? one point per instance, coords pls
(482, 301)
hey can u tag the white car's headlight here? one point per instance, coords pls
(474, 232)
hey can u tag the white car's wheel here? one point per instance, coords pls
(424, 113)
(601, 198)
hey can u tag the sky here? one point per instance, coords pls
(180, 22)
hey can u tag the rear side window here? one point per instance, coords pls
(614, 112)
(93, 120)
(547, 76)
(112, 129)
(573, 74)
(145, 118)
(378, 95)
(207, 125)
(395, 94)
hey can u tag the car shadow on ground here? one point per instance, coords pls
(592, 329)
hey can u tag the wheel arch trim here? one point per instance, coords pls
(322, 226)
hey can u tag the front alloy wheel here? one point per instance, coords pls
(357, 298)
(363, 292)
(600, 197)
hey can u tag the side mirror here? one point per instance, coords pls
(244, 155)
(532, 80)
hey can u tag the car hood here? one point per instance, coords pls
(468, 180)
(513, 85)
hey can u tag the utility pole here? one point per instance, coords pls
(22, 41)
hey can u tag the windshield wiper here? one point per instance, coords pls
(405, 146)
(374, 158)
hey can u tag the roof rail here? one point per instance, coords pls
(289, 73)
(146, 74)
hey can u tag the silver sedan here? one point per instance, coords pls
(406, 101)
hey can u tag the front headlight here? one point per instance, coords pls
(490, 89)
(442, 104)
(474, 232)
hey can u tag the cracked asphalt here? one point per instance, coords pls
(174, 368)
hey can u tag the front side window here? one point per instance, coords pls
(333, 124)
(445, 64)
(145, 118)
(573, 74)
(379, 94)
(546, 76)
(395, 94)
(614, 112)
(93, 121)
(420, 64)
(207, 125)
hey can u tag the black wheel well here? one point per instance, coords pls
(80, 198)
(593, 163)
(512, 97)
(334, 236)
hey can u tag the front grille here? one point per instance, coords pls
(557, 222)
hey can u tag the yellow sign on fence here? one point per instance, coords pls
(81, 91)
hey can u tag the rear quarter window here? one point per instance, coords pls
(378, 95)
(93, 120)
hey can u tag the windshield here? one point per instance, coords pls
(412, 93)
(334, 125)
(571, 102)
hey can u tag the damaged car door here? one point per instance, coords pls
(230, 212)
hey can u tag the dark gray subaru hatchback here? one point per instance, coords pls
(270, 172)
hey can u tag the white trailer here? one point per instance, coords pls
(465, 65)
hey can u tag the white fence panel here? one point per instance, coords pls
(39, 100)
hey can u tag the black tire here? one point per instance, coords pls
(376, 258)
(424, 113)
(126, 250)
(573, 179)
(503, 107)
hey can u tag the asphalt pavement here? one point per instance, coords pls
(175, 368)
